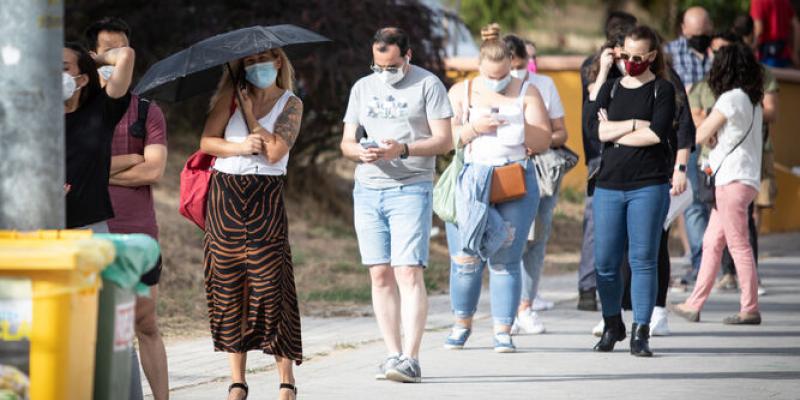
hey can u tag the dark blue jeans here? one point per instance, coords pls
(696, 218)
(636, 217)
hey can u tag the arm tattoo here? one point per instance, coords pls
(288, 124)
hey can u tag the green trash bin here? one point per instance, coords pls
(135, 255)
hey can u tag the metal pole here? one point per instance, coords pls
(32, 156)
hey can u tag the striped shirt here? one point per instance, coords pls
(690, 67)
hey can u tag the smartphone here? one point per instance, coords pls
(361, 133)
(495, 114)
(368, 144)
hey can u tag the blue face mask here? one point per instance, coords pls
(261, 75)
(497, 85)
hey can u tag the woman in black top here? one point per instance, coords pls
(91, 113)
(631, 198)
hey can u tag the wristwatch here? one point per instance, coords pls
(404, 154)
(680, 167)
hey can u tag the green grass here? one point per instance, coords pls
(361, 294)
(572, 195)
(299, 257)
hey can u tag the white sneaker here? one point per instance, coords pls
(540, 304)
(598, 329)
(658, 323)
(528, 322)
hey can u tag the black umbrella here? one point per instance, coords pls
(197, 69)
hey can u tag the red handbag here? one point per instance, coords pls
(195, 179)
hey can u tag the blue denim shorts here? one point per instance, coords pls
(393, 225)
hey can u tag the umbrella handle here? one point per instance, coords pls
(238, 95)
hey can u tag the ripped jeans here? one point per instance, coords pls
(505, 279)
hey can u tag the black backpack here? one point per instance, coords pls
(138, 128)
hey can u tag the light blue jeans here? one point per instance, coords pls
(393, 225)
(504, 266)
(533, 256)
(636, 217)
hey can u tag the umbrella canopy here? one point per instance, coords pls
(197, 69)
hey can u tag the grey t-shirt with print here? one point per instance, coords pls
(400, 112)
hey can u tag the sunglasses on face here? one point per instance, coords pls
(637, 58)
(392, 69)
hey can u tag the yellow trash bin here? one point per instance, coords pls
(59, 271)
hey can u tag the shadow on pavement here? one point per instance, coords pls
(779, 375)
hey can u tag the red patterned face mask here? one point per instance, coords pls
(636, 68)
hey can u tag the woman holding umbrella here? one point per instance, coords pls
(248, 264)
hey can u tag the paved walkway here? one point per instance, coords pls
(705, 360)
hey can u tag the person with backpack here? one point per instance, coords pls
(138, 160)
(635, 124)
(617, 24)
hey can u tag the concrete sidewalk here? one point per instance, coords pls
(705, 360)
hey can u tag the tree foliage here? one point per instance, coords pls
(324, 77)
(510, 14)
(722, 12)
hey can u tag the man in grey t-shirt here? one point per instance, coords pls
(406, 114)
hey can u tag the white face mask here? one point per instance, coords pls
(519, 73)
(621, 66)
(393, 78)
(105, 71)
(497, 85)
(68, 85)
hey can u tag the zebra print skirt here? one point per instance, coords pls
(249, 277)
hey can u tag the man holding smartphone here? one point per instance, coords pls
(405, 110)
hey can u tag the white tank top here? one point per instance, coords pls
(236, 132)
(508, 143)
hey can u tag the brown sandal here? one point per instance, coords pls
(746, 319)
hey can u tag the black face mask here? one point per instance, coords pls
(700, 43)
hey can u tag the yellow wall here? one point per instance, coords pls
(786, 138)
(784, 133)
(568, 84)
(786, 214)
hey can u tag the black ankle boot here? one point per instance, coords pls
(613, 332)
(640, 340)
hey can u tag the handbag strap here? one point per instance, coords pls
(752, 121)
(465, 114)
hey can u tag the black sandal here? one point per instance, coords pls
(239, 385)
(289, 386)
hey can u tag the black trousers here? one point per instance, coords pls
(664, 267)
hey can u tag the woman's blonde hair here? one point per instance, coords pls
(492, 48)
(285, 79)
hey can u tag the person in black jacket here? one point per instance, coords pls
(617, 25)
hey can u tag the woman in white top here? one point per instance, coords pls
(733, 129)
(499, 120)
(528, 320)
(249, 276)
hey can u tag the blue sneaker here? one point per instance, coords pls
(503, 343)
(458, 337)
